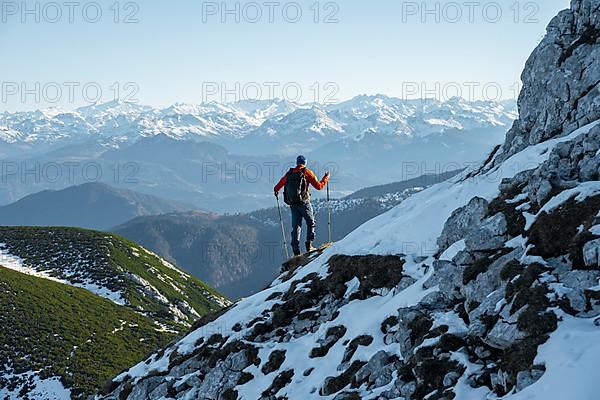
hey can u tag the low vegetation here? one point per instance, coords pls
(67, 332)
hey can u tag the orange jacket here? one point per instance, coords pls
(311, 178)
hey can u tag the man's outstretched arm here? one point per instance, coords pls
(312, 179)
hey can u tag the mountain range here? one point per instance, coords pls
(116, 123)
(227, 157)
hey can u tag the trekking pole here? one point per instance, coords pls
(287, 255)
(328, 213)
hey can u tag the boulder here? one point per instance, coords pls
(142, 390)
(591, 253)
(490, 235)
(371, 370)
(489, 281)
(505, 332)
(448, 277)
(528, 378)
(462, 221)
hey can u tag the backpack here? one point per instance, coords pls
(295, 191)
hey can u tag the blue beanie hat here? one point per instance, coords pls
(301, 160)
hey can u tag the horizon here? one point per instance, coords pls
(273, 100)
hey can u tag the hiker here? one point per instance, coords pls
(296, 184)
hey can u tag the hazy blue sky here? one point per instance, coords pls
(178, 51)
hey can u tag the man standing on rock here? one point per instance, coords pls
(296, 184)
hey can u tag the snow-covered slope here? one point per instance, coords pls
(483, 287)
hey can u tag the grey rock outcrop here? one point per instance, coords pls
(568, 164)
(462, 221)
(560, 80)
(505, 332)
(490, 235)
(591, 253)
(375, 372)
(448, 277)
(528, 378)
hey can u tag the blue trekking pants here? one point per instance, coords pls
(299, 212)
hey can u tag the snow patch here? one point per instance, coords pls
(9, 261)
(453, 250)
(580, 193)
(102, 291)
(352, 287)
(572, 358)
(42, 389)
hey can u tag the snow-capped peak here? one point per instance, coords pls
(378, 114)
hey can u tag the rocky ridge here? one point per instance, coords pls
(561, 79)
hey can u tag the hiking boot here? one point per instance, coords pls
(309, 247)
(296, 251)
